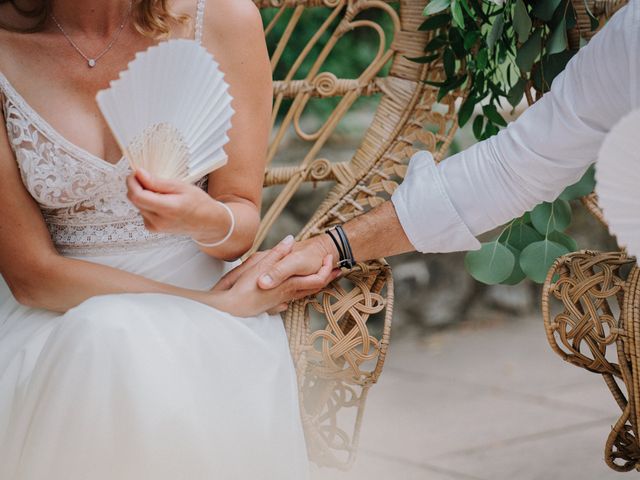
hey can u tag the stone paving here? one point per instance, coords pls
(484, 401)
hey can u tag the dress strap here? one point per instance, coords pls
(199, 20)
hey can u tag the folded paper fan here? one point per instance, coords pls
(618, 182)
(170, 111)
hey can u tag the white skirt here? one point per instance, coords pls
(147, 386)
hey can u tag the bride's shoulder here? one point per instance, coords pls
(232, 17)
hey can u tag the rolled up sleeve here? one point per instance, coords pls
(442, 207)
(426, 213)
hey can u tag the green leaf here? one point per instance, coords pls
(520, 235)
(492, 264)
(435, 22)
(581, 188)
(436, 44)
(449, 62)
(491, 112)
(477, 7)
(549, 217)
(425, 59)
(521, 21)
(516, 93)
(482, 59)
(558, 41)
(450, 85)
(529, 52)
(468, 9)
(517, 275)
(466, 110)
(564, 239)
(552, 65)
(496, 31)
(478, 127)
(457, 42)
(537, 258)
(456, 13)
(470, 39)
(490, 130)
(544, 9)
(436, 6)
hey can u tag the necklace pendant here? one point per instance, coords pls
(91, 62)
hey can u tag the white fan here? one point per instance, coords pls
(618, 181)
(170, 111)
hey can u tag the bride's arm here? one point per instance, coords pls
(40, 277)
(36, 274)
(233, 33)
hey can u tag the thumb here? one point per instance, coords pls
(280, 268)
(157, 184)
(277, 253)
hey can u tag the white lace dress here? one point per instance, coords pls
(133, 386)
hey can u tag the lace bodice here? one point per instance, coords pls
(83, 198)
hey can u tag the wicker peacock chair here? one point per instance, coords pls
(339, 359)
(591, 310)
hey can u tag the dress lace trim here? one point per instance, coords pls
(83, 198)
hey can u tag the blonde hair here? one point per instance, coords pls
(152, 18)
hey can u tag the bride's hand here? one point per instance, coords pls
(241, 295)
(173, 206)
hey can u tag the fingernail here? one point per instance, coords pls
(144, 172)
(288, 240)
(266, 279)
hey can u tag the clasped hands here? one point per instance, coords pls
(268, 280)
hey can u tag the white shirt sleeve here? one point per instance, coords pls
(443, 207)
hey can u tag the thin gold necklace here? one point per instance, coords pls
(92, 61)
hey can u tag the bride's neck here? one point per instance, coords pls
(92, 17)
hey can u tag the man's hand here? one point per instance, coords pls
(305, 259)
(375, 234)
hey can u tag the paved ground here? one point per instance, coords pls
(485, 402)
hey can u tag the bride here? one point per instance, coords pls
(118, 360)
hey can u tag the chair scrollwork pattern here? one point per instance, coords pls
(337, 353)
(591, 310)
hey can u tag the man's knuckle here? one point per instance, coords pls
(277, 271)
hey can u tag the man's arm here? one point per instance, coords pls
(376, 234)
(441, 208)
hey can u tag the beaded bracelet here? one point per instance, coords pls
(227, 236)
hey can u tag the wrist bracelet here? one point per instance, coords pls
(227, 236)
(343, 246)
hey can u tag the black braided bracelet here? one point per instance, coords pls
(343, 246)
